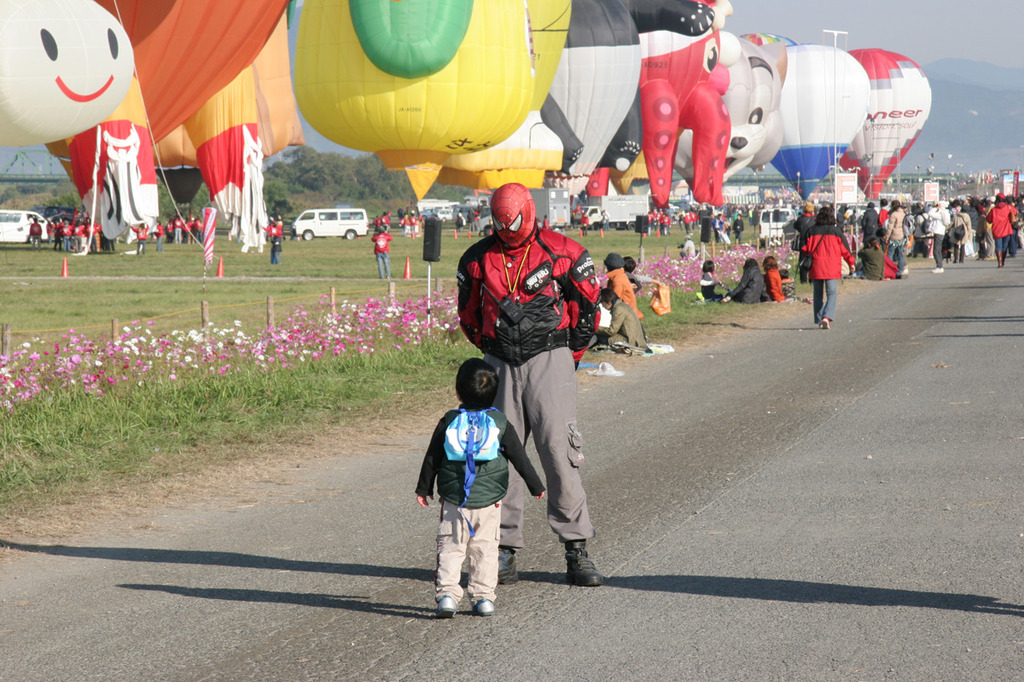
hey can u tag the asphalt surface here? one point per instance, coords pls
(786, 504)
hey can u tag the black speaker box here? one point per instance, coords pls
(432, 239)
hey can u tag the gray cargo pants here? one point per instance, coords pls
(539, 397)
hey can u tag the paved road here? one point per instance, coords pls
(790, 504)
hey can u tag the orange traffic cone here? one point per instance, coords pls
(64, 268)
(581, 231)
(602, 233)
(408, 269)
(220, 267)
(456, 233)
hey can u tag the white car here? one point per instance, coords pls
(331, 222)
(14, 225)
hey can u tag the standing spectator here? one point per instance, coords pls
(896, 237)
(960, 232)
(938, 223)
(468, 456)
(179, 227)
(275, 231)
(142, 236)
(869, 223)
(528, 299)
(1001, 217)
(804, 222)
(382, 251)
(35, 235)
(460, 222)
(158, 233)
(827, 246)
(737, 226)
(883, 218)
(79, 235)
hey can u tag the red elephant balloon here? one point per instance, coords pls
(680, 46)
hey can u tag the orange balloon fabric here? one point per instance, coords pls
(188, 50)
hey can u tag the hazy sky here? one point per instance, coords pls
(924, 30)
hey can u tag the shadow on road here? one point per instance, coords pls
(232, 559)
(814, 593)
(328, 601)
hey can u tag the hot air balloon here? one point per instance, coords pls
(533, 149)
(824, 104)
(187, 50)
(901, 100)
(767, 39)
(753, 99)
(65, 65)
(680, 51)
(414, 81)
(228, 137)
(594, 87)
(112, 167)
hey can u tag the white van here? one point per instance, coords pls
(331, 222)
(14, 225)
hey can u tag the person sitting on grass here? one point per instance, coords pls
(708, 282)
(773, 279)
(750, 288)
(624, 329)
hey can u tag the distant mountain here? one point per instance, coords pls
(981, 74)
(980, 126)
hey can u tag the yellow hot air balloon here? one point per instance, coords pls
(414, 81)
(533, 149)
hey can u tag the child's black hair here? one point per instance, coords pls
(630, 264)
(709, 266)
(476, 383)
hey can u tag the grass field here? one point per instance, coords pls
(167, 286)
(69, 444)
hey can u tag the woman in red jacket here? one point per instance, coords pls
(827, 247)
(1001, 218)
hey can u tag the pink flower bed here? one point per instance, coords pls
(137, 355)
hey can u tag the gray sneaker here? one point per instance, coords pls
(484, 607)
(446, 607)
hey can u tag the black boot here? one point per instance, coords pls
(507, 573)
(579, 569)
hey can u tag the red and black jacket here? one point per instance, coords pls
(550, 292)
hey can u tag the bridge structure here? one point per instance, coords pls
(30, 166)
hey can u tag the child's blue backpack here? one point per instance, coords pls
(471, 437)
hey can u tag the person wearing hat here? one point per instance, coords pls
(804, 222)
(1001, 217)
(619, 282)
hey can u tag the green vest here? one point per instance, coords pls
(491, 482)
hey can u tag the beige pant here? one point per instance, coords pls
(454, 545)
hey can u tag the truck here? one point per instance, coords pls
(622, 210)
(775, 224)
(553, 203)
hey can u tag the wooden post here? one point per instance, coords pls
(204, 315)
(5, 340)
(439, 285)
(113, 329)
(392, 290)
(270, 312)
(334, 308)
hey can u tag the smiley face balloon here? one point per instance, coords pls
(65, 65)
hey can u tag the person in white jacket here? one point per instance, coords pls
(938, 223)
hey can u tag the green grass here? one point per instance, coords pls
(69, 444)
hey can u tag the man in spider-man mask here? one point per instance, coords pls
(528, 300)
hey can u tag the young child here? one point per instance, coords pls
(708, 282)
(469, 455)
